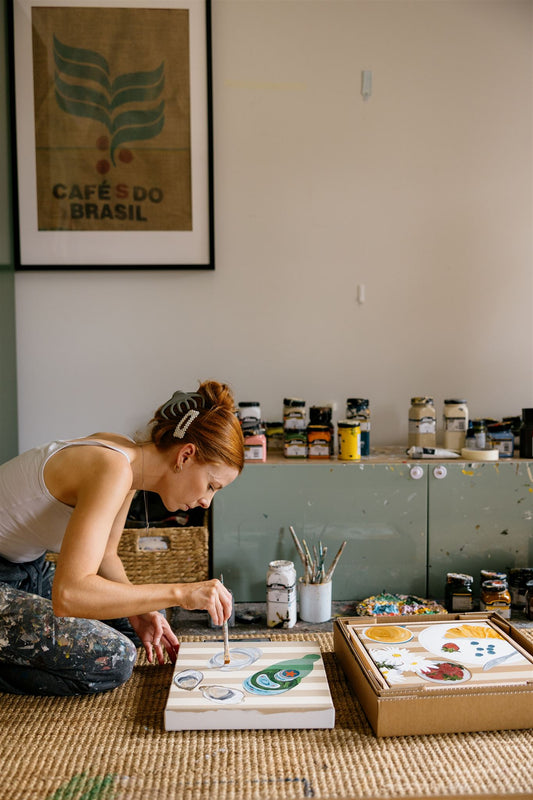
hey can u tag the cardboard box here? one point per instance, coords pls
(456, 672)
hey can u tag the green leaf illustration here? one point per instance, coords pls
(82, 787)
(83, 89)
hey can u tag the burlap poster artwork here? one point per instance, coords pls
(112, 119)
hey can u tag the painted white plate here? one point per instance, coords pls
(435, 669)
(388, 634)
(474, 650)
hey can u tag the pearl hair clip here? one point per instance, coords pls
(181, 428)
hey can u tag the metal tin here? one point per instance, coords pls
(281, 594)
(349, 433)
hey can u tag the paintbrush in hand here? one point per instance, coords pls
(227, 657)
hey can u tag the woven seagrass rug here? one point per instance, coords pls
(114, 747)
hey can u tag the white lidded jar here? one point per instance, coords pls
(455, 424)
(281, 594)
(422, 431)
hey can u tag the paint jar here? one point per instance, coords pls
(318, 441)
(501, 438)
(470, 440)
(495, 596)
(358, 408)
(458, 593)
(294, 414)
(422, 430)
(518, 580)
(455, 424)
(526, 433)
(490, 575)
(529, 600)
(315, 602)
(295, 444)
(322, 415)
(479, 429)
(249, 412)
(255, 444)
(349, 435)
(274, 437)
(516, 424)
(281, 594)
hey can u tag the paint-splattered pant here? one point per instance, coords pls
(42, 654)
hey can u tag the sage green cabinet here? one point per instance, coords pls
(406, 524)
(480, 517)
(379, 509)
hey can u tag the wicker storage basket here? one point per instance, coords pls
(165, 555)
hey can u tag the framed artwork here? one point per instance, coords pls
(113, 121)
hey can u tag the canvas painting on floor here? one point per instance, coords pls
(266, 685)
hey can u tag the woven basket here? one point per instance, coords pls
(163, 555)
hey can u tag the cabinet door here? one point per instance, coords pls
(379, 509)
(480, 517)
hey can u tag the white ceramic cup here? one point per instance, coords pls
(315, 602)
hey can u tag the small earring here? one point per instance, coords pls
(178, 468)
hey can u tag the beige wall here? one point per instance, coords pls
(422, 194)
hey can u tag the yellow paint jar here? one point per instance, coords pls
(349, 437)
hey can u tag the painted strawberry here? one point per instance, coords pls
(450, 647)
(445, 671)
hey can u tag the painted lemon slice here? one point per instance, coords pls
(390, 634)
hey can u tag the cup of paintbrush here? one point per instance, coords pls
(316, 585)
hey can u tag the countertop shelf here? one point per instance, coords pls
(250, 621)
(378, 455)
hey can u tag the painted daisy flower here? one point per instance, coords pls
(392, 675)
(390, 656)
(414, 662)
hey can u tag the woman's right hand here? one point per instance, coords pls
(209, 595)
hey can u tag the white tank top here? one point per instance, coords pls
(32, 521)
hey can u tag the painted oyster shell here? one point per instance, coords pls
(222, 694)
(240, 657)
(188, 679)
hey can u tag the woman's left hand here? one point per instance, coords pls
(154, 632)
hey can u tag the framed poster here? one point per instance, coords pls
(113, 134)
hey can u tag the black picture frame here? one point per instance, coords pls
(114, 166)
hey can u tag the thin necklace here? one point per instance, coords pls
(143, 491)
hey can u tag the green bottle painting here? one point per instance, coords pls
(280, 677)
